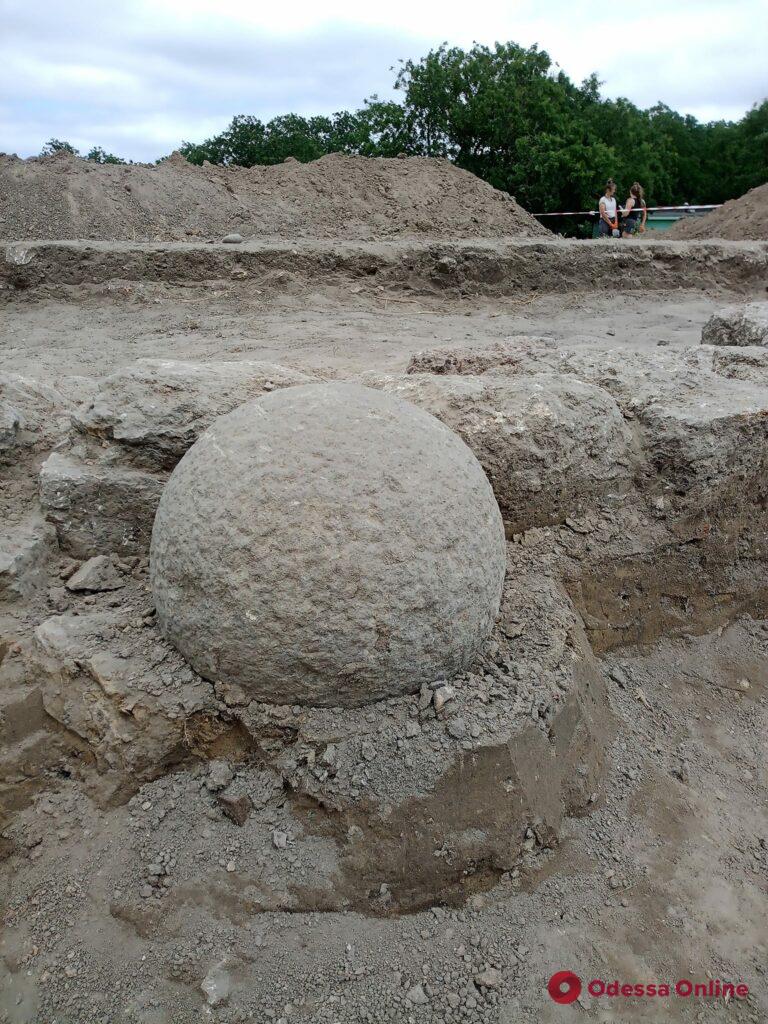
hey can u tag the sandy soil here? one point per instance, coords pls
(96, 334)
(739, 219)
(334, 197)
(666, 878)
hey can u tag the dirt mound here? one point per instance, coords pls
(743, 218)
(334, 197)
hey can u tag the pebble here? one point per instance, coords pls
(279, 839)
(236, 805)
(219, 776)
(233, 238)
(425, 698)
(441, 697)
(618, 676)
(457, 728)
(417, 996)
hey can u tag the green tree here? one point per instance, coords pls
(510, 116)
(54, 146)
(752, 146)
(99, 156)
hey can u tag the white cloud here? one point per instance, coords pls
(138, 76)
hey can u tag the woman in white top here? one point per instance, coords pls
(609, 220)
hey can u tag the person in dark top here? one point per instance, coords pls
(635, 212)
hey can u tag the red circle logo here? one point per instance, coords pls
(564, 987)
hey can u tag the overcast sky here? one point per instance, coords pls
(139, 76)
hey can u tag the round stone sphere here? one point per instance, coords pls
(327, 545)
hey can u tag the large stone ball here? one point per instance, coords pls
(328, 545)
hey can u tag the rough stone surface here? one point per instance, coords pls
(709, 440)
(748, 362)
(157, 408)
(96, 508)
(738, 325)
(328, 545)
(24, 552)
(31, 413)
(699, 415)
(96, 575)
(550, 444)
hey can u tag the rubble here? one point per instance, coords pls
(100, 679)
(678, 400)
(236, 804)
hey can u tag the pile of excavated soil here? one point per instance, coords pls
(743, 218)
(335, 197)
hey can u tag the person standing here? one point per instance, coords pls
(609, 216)
(635, 212)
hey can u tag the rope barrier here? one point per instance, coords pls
(650, 209)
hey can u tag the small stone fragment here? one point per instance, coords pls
(457, 728)
(219, 776)
(442, 695)
(236, 805)
(369, 751)
(618, 676)
(216, 985)
(417, 996)
(96, 575)
(489, 978)
(738, 325)
(58, 598)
